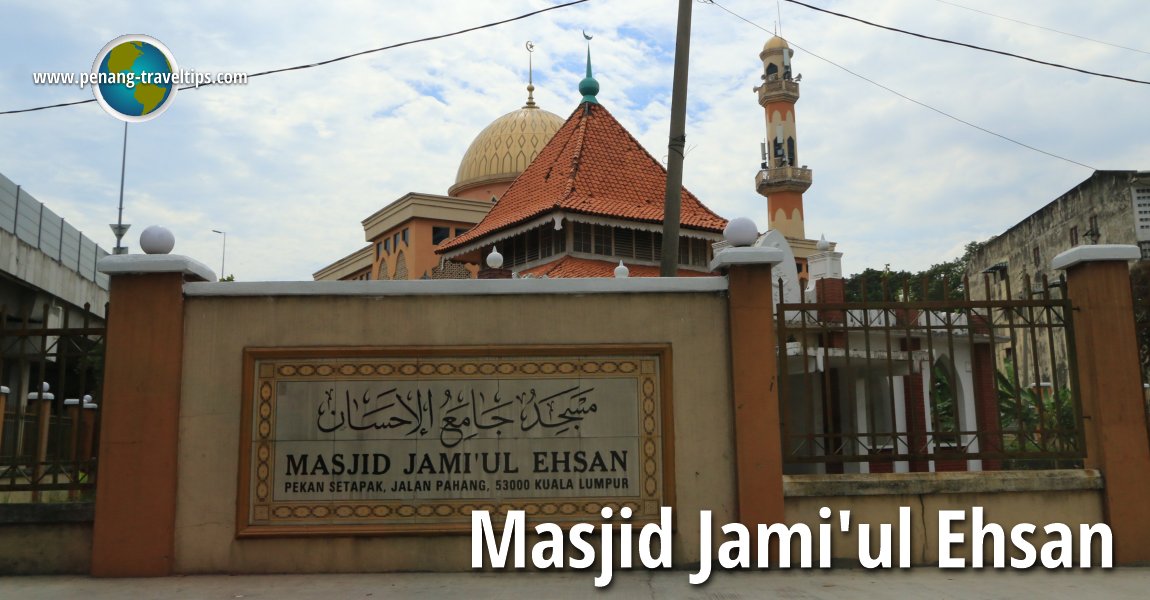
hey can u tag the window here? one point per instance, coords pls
(1145, 248)
(438, 234)
(1074, 236)
(700, 253)
(582, 237)
(1037, 257)
(1094, 232)
(405, 237)
(531, 245)
(1142, 214)
(603, 240)
(547, 237)
(643, 247)
(378, 249)
(395, 241)
(799, 266)
(624, 242)
(460, 231)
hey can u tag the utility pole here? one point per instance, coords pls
(676, 145)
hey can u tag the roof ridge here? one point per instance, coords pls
(581, 129)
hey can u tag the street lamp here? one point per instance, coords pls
(224, 252)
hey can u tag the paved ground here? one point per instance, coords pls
(836, 584)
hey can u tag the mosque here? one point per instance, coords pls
(575, 197)
(537, 195)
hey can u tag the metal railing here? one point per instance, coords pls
(52, 365)
(38, 226)
(914, 384)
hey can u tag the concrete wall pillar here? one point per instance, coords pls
(754, 385)
(1110, 386)
(134, 530)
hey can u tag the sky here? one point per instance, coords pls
(290, 164)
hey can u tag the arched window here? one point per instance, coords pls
(772, 72)
(792, 160)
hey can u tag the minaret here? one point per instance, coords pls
(782, 180)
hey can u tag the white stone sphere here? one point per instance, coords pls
(741, 231)
(157, 240)
(495, 259)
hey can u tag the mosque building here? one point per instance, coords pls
(575, 198)
(782, 178)
(402, 236)
(591, 200)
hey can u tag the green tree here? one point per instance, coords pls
(942, 281)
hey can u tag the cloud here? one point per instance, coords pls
(291, 163)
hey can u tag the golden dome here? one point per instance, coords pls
(505, 147)
(775, 42)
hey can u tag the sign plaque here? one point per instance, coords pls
(411, 440)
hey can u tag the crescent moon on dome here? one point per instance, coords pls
(587, 37)
(530, 46)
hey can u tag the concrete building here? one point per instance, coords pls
(591, 201)
(402, 236)
(614, 209)
(1109, 207)
(782, 178)
(48, 281)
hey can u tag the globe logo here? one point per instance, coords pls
(135, 78)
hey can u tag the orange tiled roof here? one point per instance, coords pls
(593, 166)
(573, 267)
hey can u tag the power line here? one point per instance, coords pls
(1020, 22)
(338, 58)
(971, 46)
(904, 96)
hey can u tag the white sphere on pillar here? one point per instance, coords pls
(157, 240)
(495, 259)
(741, 231)
(622, 271)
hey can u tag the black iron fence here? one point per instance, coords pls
(51, 363)
(902, 382)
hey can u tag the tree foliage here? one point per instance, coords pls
(942, 281)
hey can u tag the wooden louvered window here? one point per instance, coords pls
(603, 240)
(583, 238)
(700, 255)
(624, 243)
(531, 241)
(546, 241)
(643, 247)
